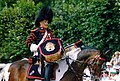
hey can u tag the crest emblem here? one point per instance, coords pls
(50, 46)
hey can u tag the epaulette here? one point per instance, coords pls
(34, 30)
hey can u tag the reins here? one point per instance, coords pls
(72, 69)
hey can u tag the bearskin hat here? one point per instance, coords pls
(45, 13)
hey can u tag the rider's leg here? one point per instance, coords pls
(48, 70)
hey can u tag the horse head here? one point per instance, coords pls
(95, 66)
(95, 63)
(85, 58)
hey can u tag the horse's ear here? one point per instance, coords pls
(106, 53)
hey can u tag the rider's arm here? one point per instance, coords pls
(30, 39)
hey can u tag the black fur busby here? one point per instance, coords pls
(45, 13)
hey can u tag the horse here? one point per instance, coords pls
(70, 68)
(90, 58)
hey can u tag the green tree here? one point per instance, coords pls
(15, 25)
(96, 22)
(89, 20)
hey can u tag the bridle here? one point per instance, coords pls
(92, 62)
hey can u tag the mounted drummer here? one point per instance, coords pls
(37, 37)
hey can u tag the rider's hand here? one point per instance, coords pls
(33, 47)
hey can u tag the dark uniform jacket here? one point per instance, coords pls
(36, 36)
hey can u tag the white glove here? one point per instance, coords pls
(33, 47)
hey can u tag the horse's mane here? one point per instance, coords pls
(87, 52)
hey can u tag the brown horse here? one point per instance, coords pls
(86, 57)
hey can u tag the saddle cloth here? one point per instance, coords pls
(34, 72)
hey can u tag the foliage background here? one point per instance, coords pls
(95, 22)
